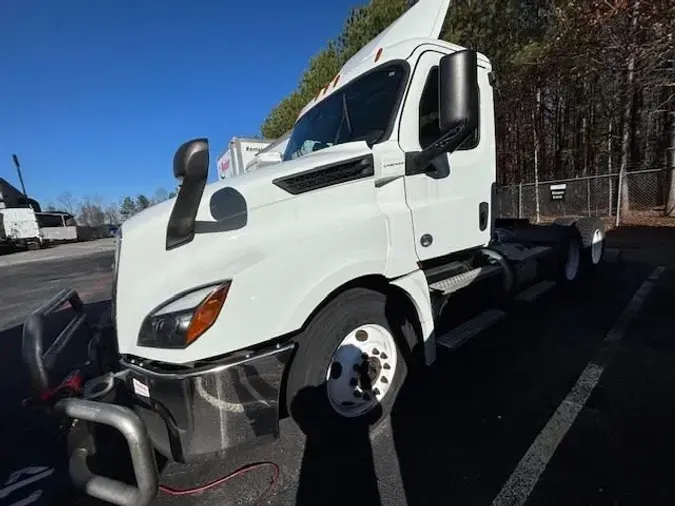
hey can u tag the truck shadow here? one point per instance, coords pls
(337, 471)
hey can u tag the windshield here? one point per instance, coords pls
(361, 111)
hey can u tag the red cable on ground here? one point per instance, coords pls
(72, 384)
(176, 492)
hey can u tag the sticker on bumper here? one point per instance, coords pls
(140, 388)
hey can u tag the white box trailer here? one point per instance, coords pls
(19, 228)
(240, 152)
(271, 155)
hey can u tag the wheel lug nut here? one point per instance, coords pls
(384, 379)
(364, 356)
(376, 391)
(383, 356)
(376, 351)
(361, 335)
(386, 367)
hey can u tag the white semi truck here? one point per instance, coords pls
(308, 288)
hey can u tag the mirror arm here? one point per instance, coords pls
(181, 227)
(446, 143)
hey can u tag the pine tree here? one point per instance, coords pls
(128, 208)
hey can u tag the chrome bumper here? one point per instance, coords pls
(210, 409)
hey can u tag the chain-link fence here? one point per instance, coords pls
(643, 200)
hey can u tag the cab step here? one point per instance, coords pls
(459, 281)
(470, 328)
(532, 293)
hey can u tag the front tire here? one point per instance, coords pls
(348, 368)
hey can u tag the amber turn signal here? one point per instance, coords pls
(207, 313)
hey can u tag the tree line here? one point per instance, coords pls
(96, 211)
(583, 87)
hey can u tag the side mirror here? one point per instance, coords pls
(191, 160)
(458, 95)
(191, 167)
(458, 104)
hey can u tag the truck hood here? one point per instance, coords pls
(231, 233)
(256, 187)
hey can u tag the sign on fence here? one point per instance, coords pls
(558, 192)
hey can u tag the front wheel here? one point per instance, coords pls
(349, 366)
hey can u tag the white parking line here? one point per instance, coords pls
(35, 474)
(522, 481)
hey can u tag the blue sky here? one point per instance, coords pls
(96, 95)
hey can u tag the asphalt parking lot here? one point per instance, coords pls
(568, 401)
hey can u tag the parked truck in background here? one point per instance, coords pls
(240, 152)
(19, 228)
(308, 289)
(22, 227)
(272, 154)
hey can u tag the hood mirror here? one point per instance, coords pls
(191, 160)
(191, 167)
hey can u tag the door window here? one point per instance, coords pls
(429, 126)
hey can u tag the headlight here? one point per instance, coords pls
(181, 320)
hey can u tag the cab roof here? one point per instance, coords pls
(420, 24)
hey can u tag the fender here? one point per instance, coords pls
(416, 288)
(331, 283)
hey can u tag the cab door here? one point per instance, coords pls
(450, 207)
